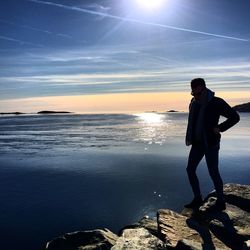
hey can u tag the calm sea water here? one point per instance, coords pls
(63, 173)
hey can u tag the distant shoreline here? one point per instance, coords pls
(242, 108)
(172, 111)
(39, 112)
(53, 112)
(12, 113)
(48, 112)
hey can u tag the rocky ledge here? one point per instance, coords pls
(202, 229)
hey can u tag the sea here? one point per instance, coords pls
(62, 173)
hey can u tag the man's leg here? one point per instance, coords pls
(195, 156)
(212, 159)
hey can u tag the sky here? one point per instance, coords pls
(104, 56)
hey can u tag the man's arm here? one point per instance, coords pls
(231, 115)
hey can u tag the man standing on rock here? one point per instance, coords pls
(203, 133)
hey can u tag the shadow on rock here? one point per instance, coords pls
(223, 228)
(203, 232)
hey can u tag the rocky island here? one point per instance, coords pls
(12, 113)
(172, 111)
(45, 112)
(202, 229)
(243, 107)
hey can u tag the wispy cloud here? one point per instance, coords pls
(47, 32)
(103, 14)
(98, 8)
(115, 69)
(175, 78)
(21, 42)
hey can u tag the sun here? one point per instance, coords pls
(150, 4)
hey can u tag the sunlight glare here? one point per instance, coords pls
(151, 118)
(150, 4)
(152, 129)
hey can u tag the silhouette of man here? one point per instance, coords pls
(204, 133)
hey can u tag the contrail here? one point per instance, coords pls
(19, 41)
(43, 31)
(92, 12)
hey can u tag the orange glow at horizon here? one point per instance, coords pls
(115, 103)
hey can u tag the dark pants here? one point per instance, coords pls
(212, 158)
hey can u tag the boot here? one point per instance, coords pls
(220, 205)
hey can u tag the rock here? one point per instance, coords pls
(12, 113)
(189, 245)
(231, 226)
(181, 232)
(145, 222)
(149, 224)
(247, 245)
(47, 112)
(172, 227)
(138, 239)
(204, 228)
(237, 195)
(84, 240)
(172, 111)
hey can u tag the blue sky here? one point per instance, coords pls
(81, 47)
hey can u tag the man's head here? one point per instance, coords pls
(198, 87)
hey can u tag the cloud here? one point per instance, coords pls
(105, 14)
(47, 32)
(113, 69)
(222, 76)
(21, 42)
(98, 8)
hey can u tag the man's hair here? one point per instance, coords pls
(198, 82)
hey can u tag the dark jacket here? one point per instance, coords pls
(215, 108)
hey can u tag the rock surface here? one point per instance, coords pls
(86, 240)
(138, 239)
(145, 222)
(178, 230)
(229, 229)
(199, 229)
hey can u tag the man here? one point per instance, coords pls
(203, 133)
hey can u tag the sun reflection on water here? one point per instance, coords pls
(151, 118)
(152, 128)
